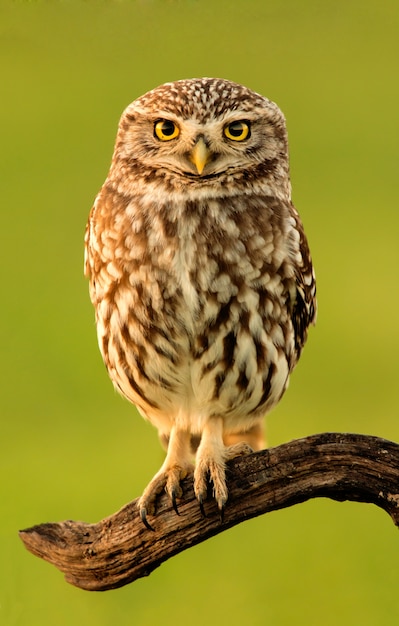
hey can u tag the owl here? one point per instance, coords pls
(200, 275)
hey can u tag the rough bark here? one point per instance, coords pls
(119, 549)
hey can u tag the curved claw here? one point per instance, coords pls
(221, 513)
(143, 515)
(201, 506)
(174, 503)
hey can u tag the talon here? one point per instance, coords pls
(201, 506)
(174, 503)
(143, 515)
(221, 514)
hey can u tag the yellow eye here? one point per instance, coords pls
(165, 130)
(237, 131)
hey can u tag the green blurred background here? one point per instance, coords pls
(70, 447)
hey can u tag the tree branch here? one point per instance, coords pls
(119, 549)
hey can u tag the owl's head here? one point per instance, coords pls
(205, 132)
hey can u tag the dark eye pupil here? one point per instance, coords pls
(236, 129)
(168, 128)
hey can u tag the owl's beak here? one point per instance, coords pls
(200, 155)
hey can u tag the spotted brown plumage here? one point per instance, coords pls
(200, 274)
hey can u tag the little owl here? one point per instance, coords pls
(200, 274)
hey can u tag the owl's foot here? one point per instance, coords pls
(176, 466)
(238, 449)
(211, 458)
(167, 479)
(210, 465)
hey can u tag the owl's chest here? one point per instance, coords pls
(194, 310)
(180, 269)
(192, 276)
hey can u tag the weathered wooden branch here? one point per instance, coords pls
(119, 549)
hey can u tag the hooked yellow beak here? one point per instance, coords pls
(200, 155)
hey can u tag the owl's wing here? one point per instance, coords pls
(304, 304)
(86, 265)
(91, 252)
